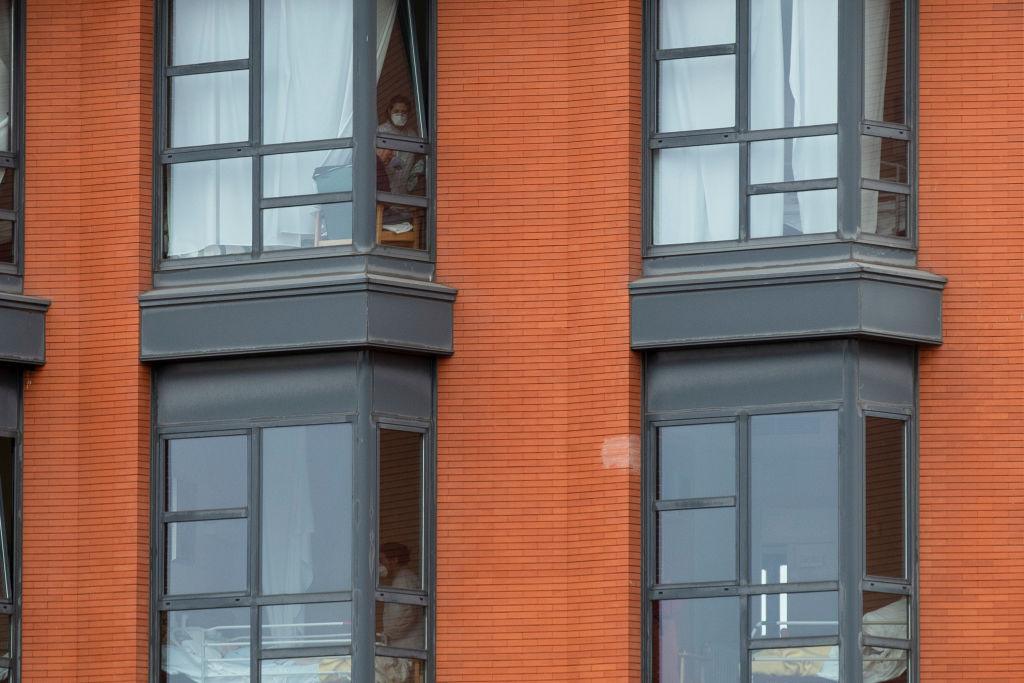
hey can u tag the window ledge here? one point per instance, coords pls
(23, 329)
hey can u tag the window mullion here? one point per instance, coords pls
(742, 515)
(256, 119)
(743, 110)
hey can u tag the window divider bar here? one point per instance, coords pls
(7, 608)
(724, 590)
(885, 130)
(402, 199)
(888, 643)
(719, 136)
(177, 516)
(303, 599)
(208, 153)
(305, 652)
(402, 598)
(695, 503)
(8, 161)
(304, 146)
(256, 124)
(892, 587)
(305, 200)
(8, 215)
(403, 145)
(788, 643)
(884, 186)
(793, 186)
(207, 68)
(402, 652)
(698, 51)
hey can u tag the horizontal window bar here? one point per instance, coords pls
(786, 643)
(883, 130)
(209, 152)
(6, 609)
(6, 662)
(305, 199)
(305, 652)
(885, 186)
(239, 600)
(303, 598)
(707, 591)
(403, 145)
(8, 215)
(720, 136)
(883, 586)
(793, 186)
(406, 653)
(403, 199)
(890, 643)
(701, 51)
(695, 503)
(203, 515)
(402, 598)
(8, 162)
(304, 146)
(207, 67)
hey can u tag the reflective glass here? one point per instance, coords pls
(307, 70)
(794, 63)
(697, 461)
(6, 241)
(401, 225)
(8, 178)
(794, 489)
(886, 615)
(289, 175)
(885, 665)
(886, 214)
(785, 214)
(400, 477)
(696, 194)
(306, 544)
(207, 109)
(401, 172)
(697, 641)
(333, 669)
(400, 625)
(209, 208)
(695, 546)
(204, 31)
(200, 645)
(885, 159)
(794, 615)
(7, 466)
(207, 473)
(884, 57)
(312, 225)
(396, 83)
(692, 23)
(884, 497)
(780, 161)
(399, 669)
(318, 624)
(697, 93)
(795, 665)
(206, 557)
(6, 73)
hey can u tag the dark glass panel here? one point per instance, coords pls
(7, 103)
(886, 615)
(8, 177)
(795, 665)
(6, 636)
(884, 60)
(401, 509)
(207, 473)
(794, 615)
(397, 86)
(201, 645)
(399, 669)
(401, 225)
(206, 557)
(307, 507)
(885, 159)
(318, 624)
(697, 546)
(6, 241)
(794, 497)
(885, 665)
(7, 467)
(697, 641)
(697, 461)
(400, 625)
(885, 498)
(401, 172)
(884, 213)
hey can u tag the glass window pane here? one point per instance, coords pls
(401, 505)
(323, 624)
(401, 625)
(290, 175)
(883, 664)
(306, 543)
(307, 70)
(794, 489)
(884, 213)
(401, 225)
(204, 31)
(201, 645)
(6, 80)
(334, 669)
(884, 51)
(401, 172)
(206, 557)
(207, 473)
(6, 241)
(696, 194)
(697, 461)
(780, 161)
(399, 669)
(786, 214)
(313, 225)
(396, 83)
(692, 23)
(7, 466)
(885, 501)
(697, 641)
(695, 546)
(794, 615)
(885, 159)
(794, 63)
(209, 208)
(5, 636)
(697, 93)
(207, 109)
(8, 177)
(886, 615)
(795, 665)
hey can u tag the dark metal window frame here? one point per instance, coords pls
(850, 126)
(852, 579)
(11, 273)
(13, 607)
(363, 142)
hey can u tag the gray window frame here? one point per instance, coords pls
(852, 578)
(13, 607)
(364, 141)
(851, 125)
(11, 273)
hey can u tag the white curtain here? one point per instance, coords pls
(692, 23)
(804, 33)
(696, 194)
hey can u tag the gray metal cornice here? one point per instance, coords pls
(23, 329)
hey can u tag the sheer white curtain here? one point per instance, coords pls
(209, 205)
(794, 82)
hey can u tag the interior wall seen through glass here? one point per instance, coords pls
(7, 30)
(885, 60)
(885, 497)
(401, 509)
(8, 463)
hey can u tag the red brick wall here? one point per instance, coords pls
(538, 227)
(972, 388)
(87, 218)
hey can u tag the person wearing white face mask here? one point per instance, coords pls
(405, 170)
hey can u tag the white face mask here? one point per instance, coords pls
(399, 119)
(382, 571)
